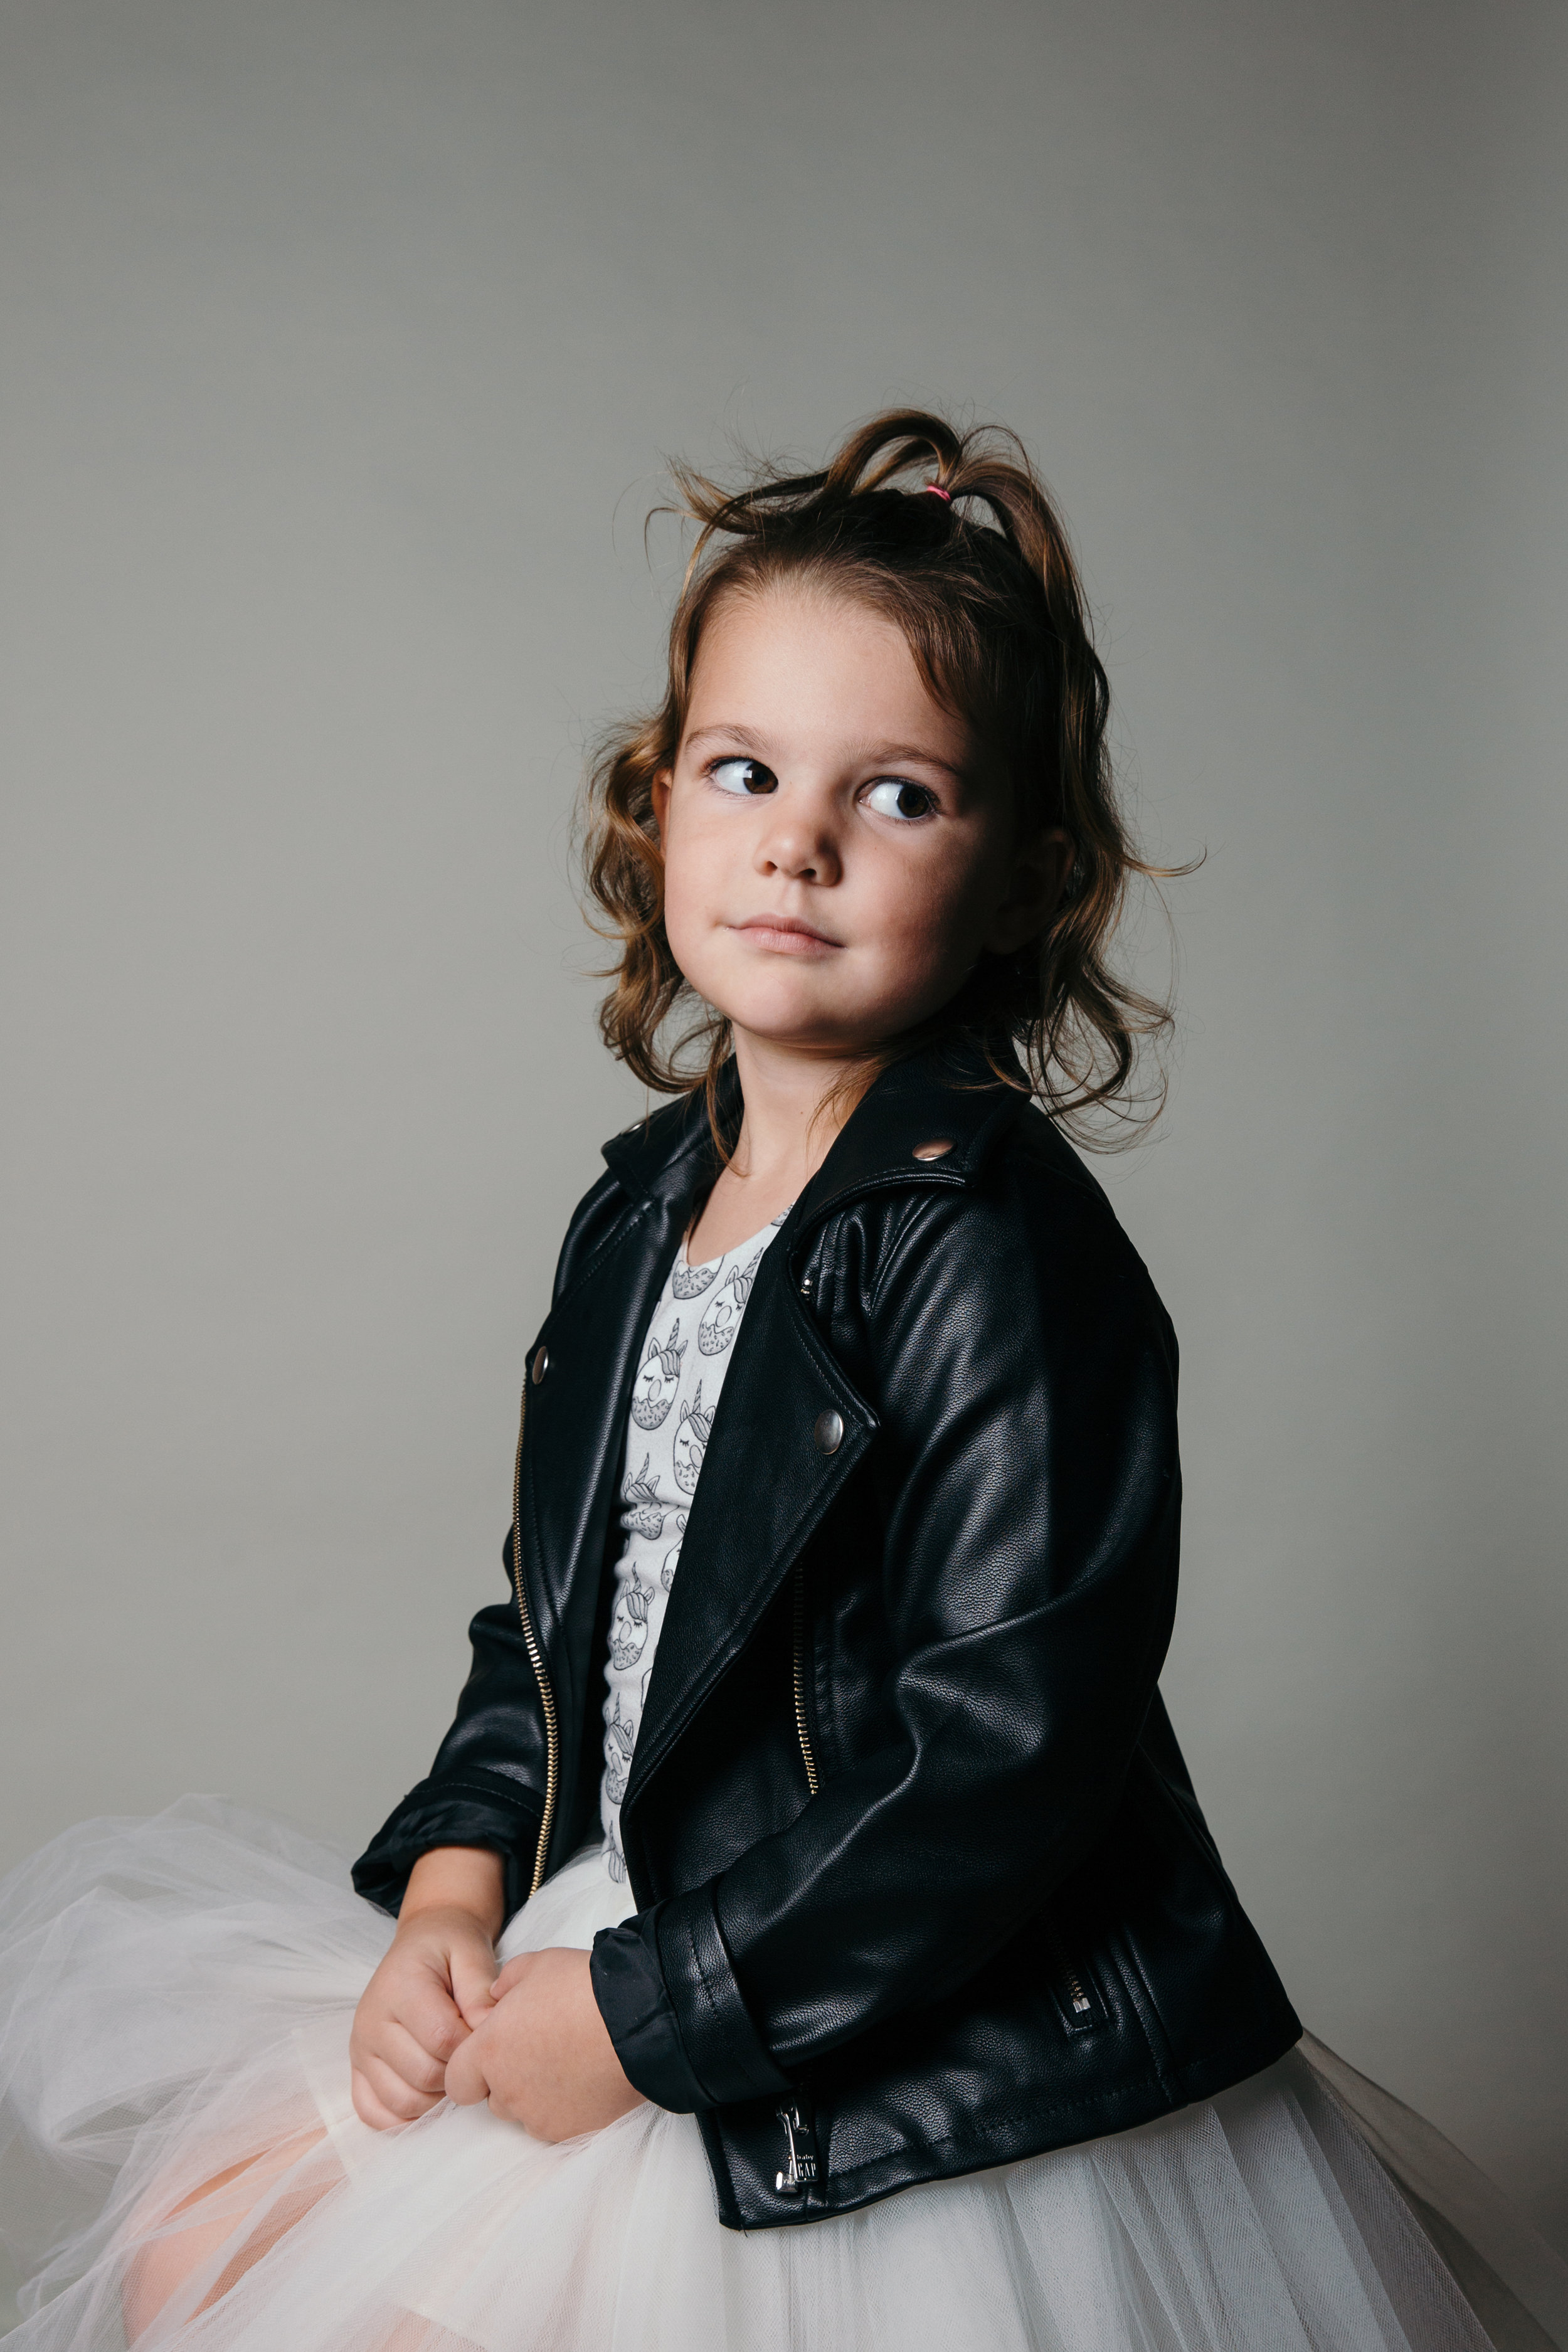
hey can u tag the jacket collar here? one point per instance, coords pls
(671, 1151)
(947, 1094)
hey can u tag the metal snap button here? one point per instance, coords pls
(827, 1429)
(541, 1365)
(938, 1149)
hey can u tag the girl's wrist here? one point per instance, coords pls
(466, 1878)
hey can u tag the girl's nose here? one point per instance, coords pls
(800, 844)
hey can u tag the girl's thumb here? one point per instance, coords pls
(472, 1979)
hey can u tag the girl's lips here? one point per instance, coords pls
(785, 937)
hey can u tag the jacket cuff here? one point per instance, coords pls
(672, 2008)
(475, 1807)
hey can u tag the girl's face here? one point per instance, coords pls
(837, 855)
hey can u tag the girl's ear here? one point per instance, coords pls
(659, 791)
(1039, 875)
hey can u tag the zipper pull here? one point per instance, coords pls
(799, 2153)
(1077, 1995)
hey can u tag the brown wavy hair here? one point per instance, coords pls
(983, 584)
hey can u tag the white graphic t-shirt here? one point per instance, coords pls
(685, 1357)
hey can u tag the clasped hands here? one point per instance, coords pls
(437, 2022)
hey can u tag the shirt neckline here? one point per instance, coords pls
(683, 1255)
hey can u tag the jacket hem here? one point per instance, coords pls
(1011, 2139)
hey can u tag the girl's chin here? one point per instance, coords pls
(812, 1040)
(778, 1006)
(810, 1022)
(806, 1007)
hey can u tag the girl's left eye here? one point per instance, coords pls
(895, 797)
(742, 776)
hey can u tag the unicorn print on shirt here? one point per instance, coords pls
(721, 1320)
(691, 1442)
(644, 1514)
(620, 1736)
(692, 1281)
(628, 1626)
(655, 1391)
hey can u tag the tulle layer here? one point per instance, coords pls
(175, 1997)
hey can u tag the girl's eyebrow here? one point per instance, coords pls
(872, 756)
(731, 735)
(900, 755)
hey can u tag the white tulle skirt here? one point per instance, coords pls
(175, 1997)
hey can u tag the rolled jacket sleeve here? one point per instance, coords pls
(718, 2056)
(486, 1786)
(477, 1808)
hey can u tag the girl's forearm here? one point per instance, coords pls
(461, 1878)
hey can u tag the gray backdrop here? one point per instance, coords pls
(342, 339)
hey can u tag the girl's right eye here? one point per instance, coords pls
(742, 776)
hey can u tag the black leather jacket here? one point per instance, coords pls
(920, 1882)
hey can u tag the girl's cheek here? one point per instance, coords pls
(682, 900)
(934, 917)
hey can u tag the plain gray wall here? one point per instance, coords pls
(342, 339)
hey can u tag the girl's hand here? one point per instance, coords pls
(541, 2055)
(432, 1988)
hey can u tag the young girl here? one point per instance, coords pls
(808, 1935)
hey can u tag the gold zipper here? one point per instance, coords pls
(799, 1662)
(1078, 1996)
(536, 1659)
(1081, 2003)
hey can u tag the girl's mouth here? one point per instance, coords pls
(784, 935)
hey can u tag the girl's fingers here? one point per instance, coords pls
(426, 2011)
(397, 2046)
(466, 2083)
(391, 2100)
(511, 1974)
(405, 2102)
(369, 2109)
(473, 1984)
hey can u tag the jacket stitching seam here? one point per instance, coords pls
(1124, 1951)
(895, 1246)
(435, 1789)
(598, 1201)
(611, 1242)
(702, 1977)
(713, 2004)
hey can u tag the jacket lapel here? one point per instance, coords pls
(577, 1414)
(764, 1486)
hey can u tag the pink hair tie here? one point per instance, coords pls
(937, 491)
